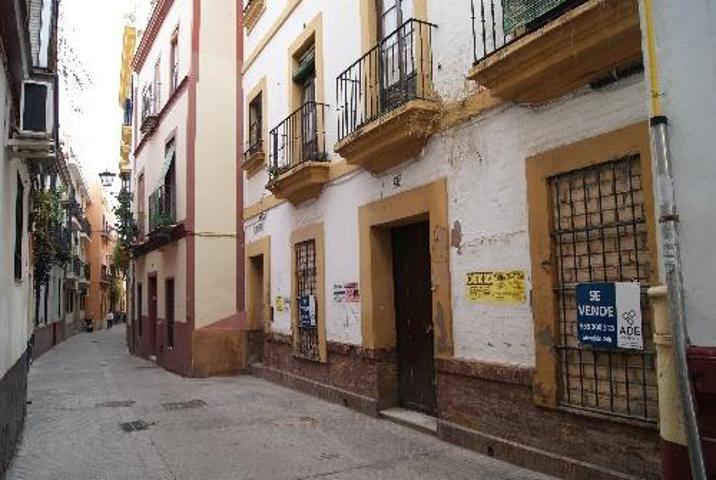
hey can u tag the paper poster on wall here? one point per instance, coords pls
(346, 292)
(307, 310)
(609, 315)
(496, 286)
(280, 304)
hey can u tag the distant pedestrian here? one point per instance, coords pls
(110, 319)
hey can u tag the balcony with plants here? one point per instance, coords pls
(387, 108)
(531, 52)
(162, 211)
(298, 164)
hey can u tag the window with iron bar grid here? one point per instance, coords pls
(599, 234)
(307, 336)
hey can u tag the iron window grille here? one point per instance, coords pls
(395, 71)
(306, 341)
(600, 234)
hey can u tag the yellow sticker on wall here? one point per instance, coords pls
(280, 304)
(500, 286)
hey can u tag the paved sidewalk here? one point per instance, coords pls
(235, 428)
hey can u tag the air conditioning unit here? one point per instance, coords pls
(37, 107)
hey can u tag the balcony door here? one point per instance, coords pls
(397, 63)
(309, 126)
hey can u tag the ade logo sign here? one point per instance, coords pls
(609, 315)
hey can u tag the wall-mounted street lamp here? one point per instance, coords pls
(107, 178)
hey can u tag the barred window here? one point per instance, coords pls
(599, 234)
(306, 341)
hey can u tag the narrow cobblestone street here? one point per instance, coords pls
(226, 428)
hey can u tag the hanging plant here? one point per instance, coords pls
(126, 227)
(47, 219)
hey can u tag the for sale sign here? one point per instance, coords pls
(609, 315)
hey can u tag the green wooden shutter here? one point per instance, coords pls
(518, 13)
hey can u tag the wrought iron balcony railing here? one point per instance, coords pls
(255, 143)
(74, 208)
(86, 226)
(148, 107)
(398, 69)
(77, 267)
(300, 138)
(497, 23)
(248, 4)
(252, 149)
(104, 274)
(162, 208)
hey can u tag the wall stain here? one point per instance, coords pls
(456, 236)
(441, 330)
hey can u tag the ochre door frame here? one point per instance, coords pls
(259, 248)
(630, 140)
(428, 202)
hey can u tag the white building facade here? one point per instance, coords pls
(425, 184)
(29, 144)
(184, 286)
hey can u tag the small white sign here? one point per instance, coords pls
(629, 326)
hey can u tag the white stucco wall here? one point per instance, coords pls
(686, 40)
(483, 160)
(150, 159)
(15, 299)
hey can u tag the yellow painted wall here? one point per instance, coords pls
(216, 146)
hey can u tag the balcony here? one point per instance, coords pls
(104, 274)
(86, 230)
(531, 54)
(141, 226)
(82, 271)
(387, 107)
(252, 11)
(150, 112)
(162, 210)
(254, 156)
(75, 269)
(298, 165)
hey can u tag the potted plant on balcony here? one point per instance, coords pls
(162, 225)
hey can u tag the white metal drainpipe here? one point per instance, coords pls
(671, 251)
